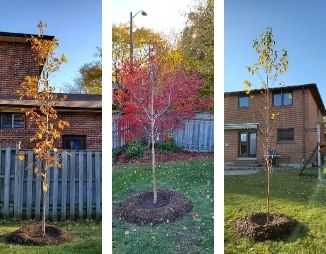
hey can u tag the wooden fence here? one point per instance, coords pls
(117, 133)
(196, 135)
(74, 190)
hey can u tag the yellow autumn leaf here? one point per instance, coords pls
(45, 187)
(273, 116)
(21, 157)
(64, 58)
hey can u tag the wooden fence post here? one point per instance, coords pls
(89, 185)
(64, 186)
(6, 191)
(80, 185)
(18, 186)
(72, 185)
(29, 182)
(98, 194)
(55, 191)
(38, 191)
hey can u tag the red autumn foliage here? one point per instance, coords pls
(176, 97)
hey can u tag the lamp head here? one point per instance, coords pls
(143, 13)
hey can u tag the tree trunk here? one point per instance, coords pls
(43, 206)
(153, 167)
(269, 175)
(152, 119)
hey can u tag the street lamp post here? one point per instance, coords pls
(131, 36)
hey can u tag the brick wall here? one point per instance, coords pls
(81, 123)
(303, 115)
(16, 62)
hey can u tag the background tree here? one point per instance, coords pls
(157, 98)
(267, 67)
(91, 75)
(44, 116)
(89, 78)
(142, 38)
(197, 43)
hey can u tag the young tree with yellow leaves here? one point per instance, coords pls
(44, 116)
(268, 66)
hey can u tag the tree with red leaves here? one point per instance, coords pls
(157, 98)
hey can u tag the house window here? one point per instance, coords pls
(243, 101)
(74, 142)
(283, 99)
(285, 134)
(12, 121)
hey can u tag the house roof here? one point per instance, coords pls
(20, 37)
(313, 88)
(66, 102)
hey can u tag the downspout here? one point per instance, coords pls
(304, 123)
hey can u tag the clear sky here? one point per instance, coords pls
(76, 23)
(162, 16)
(298, 26)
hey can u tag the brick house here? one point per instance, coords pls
(300, 109)
(83, 111)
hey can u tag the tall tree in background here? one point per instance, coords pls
(267, 67)
(157, 98)
(91, 75)
(197, 43)
(44, 117)
(142, 38)
(89, 78)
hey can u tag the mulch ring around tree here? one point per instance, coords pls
(32, 235)
(140, 209)
(255, 228)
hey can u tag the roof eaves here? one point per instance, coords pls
(20, 37)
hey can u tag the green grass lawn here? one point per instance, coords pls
(191, 234)
(302, 198)
(86, 238)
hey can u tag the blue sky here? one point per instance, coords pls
(76, 23)
(298, 27)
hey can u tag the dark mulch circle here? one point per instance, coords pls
(32, 235)
(140, 209)
(255, 228)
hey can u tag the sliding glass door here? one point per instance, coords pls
(247, 144)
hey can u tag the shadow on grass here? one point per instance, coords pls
(4, 237)
(309, 174)
(286, 184)
(299, 231)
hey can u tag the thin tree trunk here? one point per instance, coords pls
(43, 206)
(151, 76)
(269, 162)
(153, 167)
